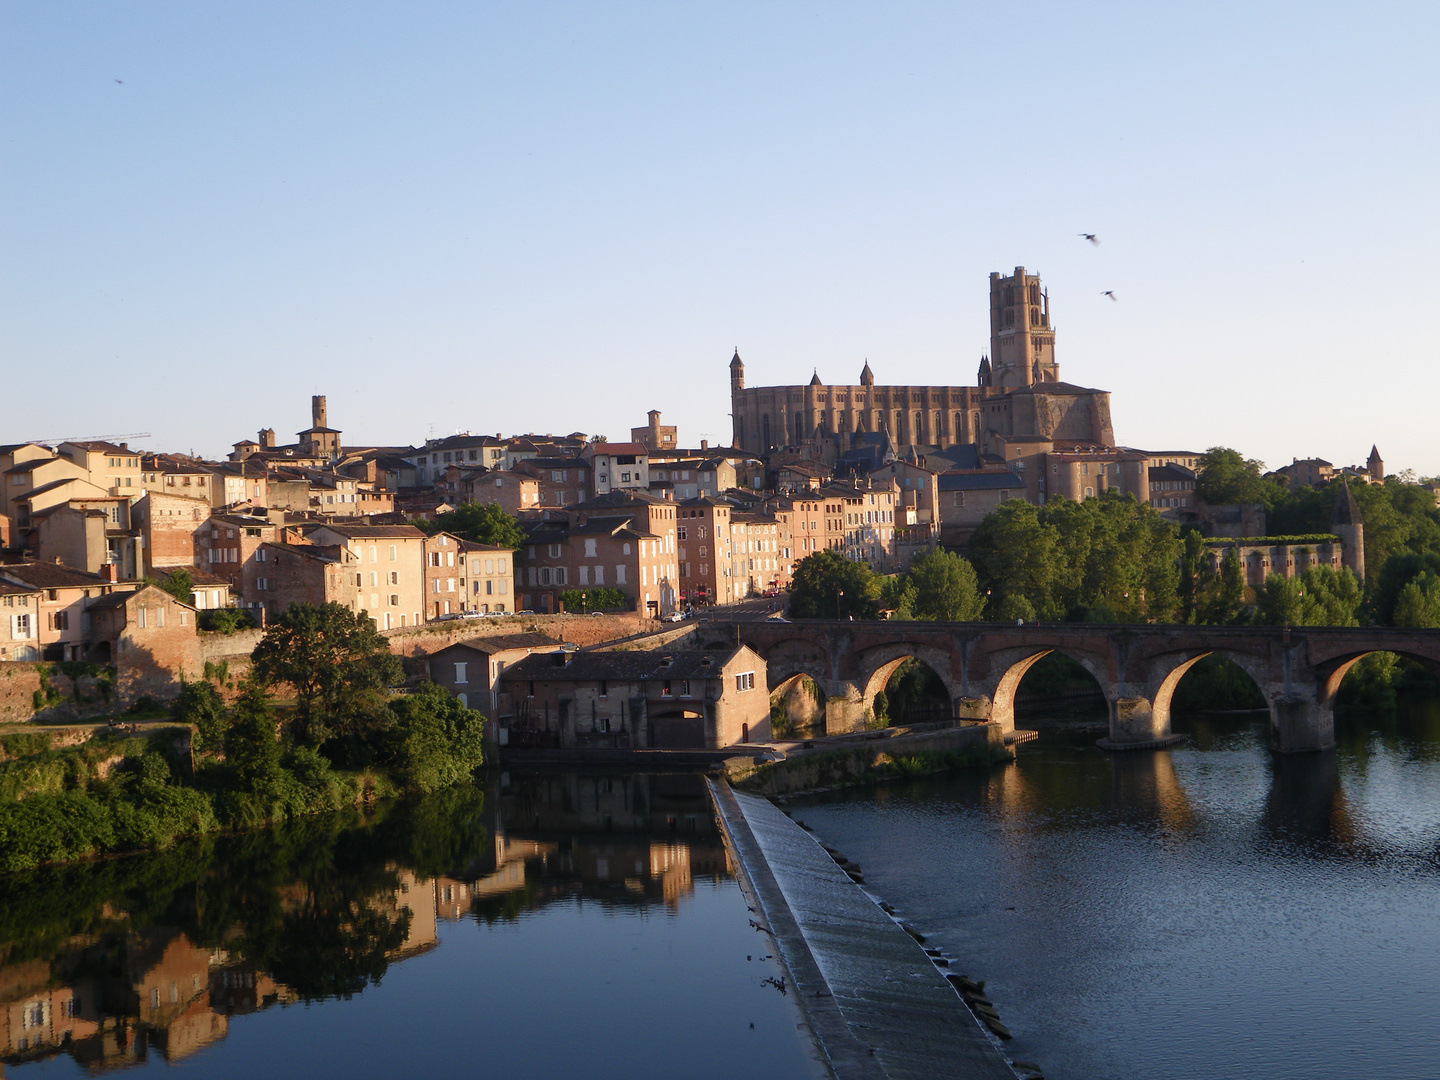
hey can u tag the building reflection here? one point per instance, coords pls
(111, 999)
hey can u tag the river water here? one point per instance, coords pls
(1208, 911)
(549, 925)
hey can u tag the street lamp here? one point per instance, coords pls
(838, 594)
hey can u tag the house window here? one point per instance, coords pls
(395, 600)
(666, 690)
(394, 577)
(745, 680)
(460, 667)
(602, 724)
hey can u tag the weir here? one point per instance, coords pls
(876, 1003)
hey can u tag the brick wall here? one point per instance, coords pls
(581, 629)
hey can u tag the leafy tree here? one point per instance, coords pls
(179, 583)
(1105, 559)
(946, 588)
(226, 620)
(440, 740)
(1226, 477)
(1418, 604)
(604, 599)
(1221, 597)
(898, 596)
(251, 745)
(199, 704)
(1321, 596)
(1016, 555)
(1194, 574)
(1393, 575)
(480, 523)
(827, 585)
(335, 660)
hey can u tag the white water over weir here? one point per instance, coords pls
(879, 1007)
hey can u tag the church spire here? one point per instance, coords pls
(867, 377)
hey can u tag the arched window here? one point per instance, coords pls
(959, 432)
(939, 425)
(765, 430)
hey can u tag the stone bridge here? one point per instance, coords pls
(1298, 670)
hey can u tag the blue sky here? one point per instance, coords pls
(554, 217)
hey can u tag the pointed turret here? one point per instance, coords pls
(1375, 467)
(983, 379)
(1346, 511)
(867, 377)
(737, 371)
(815, 379)
(1345, 522)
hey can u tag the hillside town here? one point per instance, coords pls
(89, 527)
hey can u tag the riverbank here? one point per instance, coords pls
(878, 1005)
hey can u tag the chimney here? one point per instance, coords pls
(107, 572)
(317, 411)
(704, 444)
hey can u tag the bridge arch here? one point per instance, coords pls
(1015, 663)
(797, 707)
(880, 662)
(1333, 672)
(793, 656)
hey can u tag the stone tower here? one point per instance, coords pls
(1345, 523)
(737, 400)
(1022, 341)
(317, 411)
(1375, 467)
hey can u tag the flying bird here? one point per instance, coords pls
(120, 81)
(1111, 295)
(1091, 237)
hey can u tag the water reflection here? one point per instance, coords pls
(1213, 910)
(110, 963)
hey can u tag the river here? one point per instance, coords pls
(1208, 911)
(544, 925)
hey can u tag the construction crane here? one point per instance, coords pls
(92, 438)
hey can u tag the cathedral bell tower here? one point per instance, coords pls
(1022, 341)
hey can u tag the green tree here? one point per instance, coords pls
(827, 585)
(480, 523)
(1391, 577)
(440, 741)
(179, 583)
(336, 662)
(1016, 555)
(1321, 596)
(251, 745)
(1226, 477)
(1418, 604)
(1220, 598)
(603, 599)
(199, 703)
(946, 588)
(1194, 574)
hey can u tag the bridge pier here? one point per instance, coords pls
(1299, 725)
(844, 708)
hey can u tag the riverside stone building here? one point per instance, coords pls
(633, 700)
